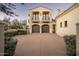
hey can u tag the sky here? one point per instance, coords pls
(23, 10)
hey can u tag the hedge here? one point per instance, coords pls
(10, 33)
(70, 42)
(13, 32)
(10, 42)
(10, 46)
(21, 32)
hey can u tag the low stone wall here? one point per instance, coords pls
(77, 39)
(1, 39)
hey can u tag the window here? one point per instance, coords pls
(61, 24)
(65, 24)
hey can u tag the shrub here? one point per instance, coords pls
(11, 32)
(70, 45)
(10, 45)
(21, 31)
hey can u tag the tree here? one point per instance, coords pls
(7, 8)
(16, 24)
(7, 23)
(24, 24)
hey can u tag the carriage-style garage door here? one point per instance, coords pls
(35, 29)
(45, 29)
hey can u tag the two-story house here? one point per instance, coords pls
(40, 20)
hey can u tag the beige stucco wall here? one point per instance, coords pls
(77, 40)
(1, 39)
(72, 18)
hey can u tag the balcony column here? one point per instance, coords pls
(30, 29)
(50, 17)
(40, 16)
(40, 29)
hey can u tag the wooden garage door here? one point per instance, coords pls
(35, 29)
(45, 29)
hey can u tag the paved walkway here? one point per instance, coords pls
(40, 45)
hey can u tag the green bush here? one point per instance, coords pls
(10, 45)
(13, 32)
(70, 45)
(10, 33)
(21, 32)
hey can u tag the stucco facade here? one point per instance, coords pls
(40, 20)
(71, 15)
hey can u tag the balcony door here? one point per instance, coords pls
(35, 29)
(35, 16)
(45, 15)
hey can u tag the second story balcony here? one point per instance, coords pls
(37, 17)
(42, 19)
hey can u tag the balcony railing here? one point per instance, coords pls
(38, 19)
(45, 19)
(35, 19)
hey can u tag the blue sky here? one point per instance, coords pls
(22, 10)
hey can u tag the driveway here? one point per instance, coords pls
(40, 45)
